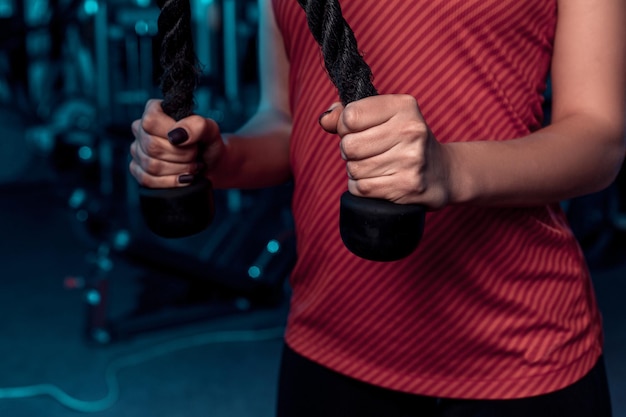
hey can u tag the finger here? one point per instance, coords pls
(394, 188)
(396, 161)
(367, 188)
(151, 181)
(160, 167)
(329, 119)
(364, 114)
(369, 143)
(154, 121)
(135, 127)
(194, 130)
(380, 166)
(406, 139)
(160, 148)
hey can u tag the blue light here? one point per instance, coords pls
(85, 153)
(93, 297)
(121, 240)
(273, 246)
(142, 28)
(91, 7)
(6, 9)
(77, 198)
(254, 272)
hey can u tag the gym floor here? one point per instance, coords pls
(219, 366)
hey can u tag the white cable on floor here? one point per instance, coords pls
(135, 359)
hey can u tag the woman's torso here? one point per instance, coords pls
(495, 302)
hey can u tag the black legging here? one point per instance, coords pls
(307, 389)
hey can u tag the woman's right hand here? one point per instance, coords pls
(167, 154)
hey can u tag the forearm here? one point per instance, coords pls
(257, 154)
(575, 156)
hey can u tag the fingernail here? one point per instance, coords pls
(319, 120)
(177, 136)
(185, 179)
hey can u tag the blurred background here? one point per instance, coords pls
(100, 316)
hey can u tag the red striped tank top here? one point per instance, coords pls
(496, 302)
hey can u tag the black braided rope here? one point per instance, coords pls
(178, 59)
(344, 63)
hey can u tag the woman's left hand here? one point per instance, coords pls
(390, 152)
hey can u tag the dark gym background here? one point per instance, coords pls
(97, 315)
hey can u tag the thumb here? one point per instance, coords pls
(329, 119)
(193, 130)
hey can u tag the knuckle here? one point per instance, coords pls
(363, 188)
(137, 173)
(152, 148)
(416, 157)
(151, 166)
(195, 120)
(348, 145)
(416, 129)
(135, 126)
(351, 116)
(351, 167)
(408, 100)
(410, 183)
(153, 105)
(149, 122)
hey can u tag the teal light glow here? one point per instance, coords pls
(142, 28)
(85, 153)
(93, 297)
(254, 272)
(273, 246)
(6, 9)
(121, 239)
(91, 7)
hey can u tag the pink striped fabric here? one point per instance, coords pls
(496, 302)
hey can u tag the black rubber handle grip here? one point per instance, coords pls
(184, 211)
(374, 229)
(380, 230)
(178, 212)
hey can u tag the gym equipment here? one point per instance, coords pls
(374, 229)
(237, 267)
(16, 154)
(184, 211)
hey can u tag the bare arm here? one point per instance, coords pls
(391, 154)
(257, 155)
(583, 148)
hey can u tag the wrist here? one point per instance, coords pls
(221, 163)
(461, 185)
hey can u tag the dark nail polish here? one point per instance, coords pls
(185, 179)
(319, 120)
(177, 136)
